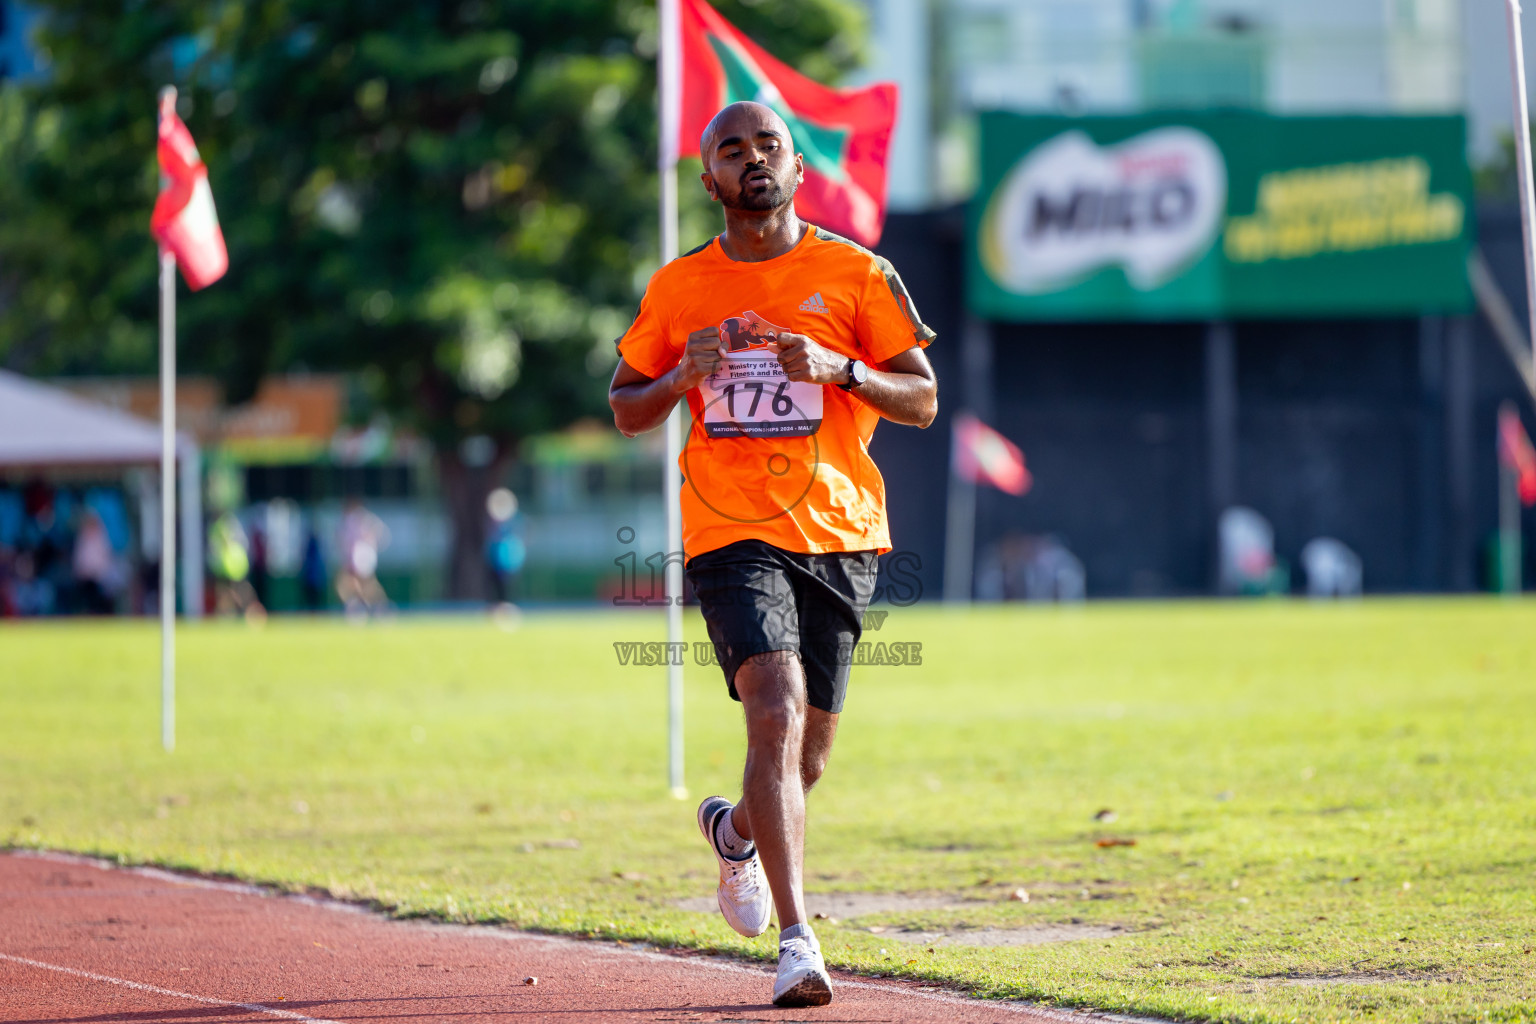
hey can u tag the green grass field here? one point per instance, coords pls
(1332, 806)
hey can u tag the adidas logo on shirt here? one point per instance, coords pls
(814, 304)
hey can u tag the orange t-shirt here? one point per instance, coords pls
(767, 458)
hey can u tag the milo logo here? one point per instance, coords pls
(1151, 205)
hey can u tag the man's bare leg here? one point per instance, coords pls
(815, 750)
(788, 744)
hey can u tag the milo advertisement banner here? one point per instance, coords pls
(1207, 215)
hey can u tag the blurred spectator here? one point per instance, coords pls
(7, 581)
(45, 540)
(363, 535)
(1030, 568)
(1247, 554)
(259, 564)
(32, 596)
(149, 587)
(312, 576)
(505, 551)
(1333, 570)
(230, 561)
(95, 567)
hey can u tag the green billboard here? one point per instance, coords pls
(1210, 215)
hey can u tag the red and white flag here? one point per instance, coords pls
(184, 220)
(844, 134)
(983, 455)
(1516, 453)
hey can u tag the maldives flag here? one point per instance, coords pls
(982, 454)
(843, 134)
(1516, 453)
(184, 220)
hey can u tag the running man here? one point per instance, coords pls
(783, 509)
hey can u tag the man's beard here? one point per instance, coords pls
(772, 198)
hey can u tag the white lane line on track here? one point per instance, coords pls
(139, 986)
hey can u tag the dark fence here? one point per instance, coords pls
(1377, 432)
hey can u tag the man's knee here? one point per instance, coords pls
(773, 697)
(811, 768)
(776, 717)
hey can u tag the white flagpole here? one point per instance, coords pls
(959, 529)
(1523, 158)
(168, 489)
(669, 102)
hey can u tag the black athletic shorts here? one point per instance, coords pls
(758, 598)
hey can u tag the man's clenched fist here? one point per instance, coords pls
(805, 360)
(701, 358)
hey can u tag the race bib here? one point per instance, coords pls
(749, 396)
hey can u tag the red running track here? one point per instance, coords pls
(85, 943)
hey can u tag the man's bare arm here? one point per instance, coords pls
(903, 389)
(641, 403)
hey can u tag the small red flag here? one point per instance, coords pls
(184, 220)
(1516, 453)
(844, 134)
(982, 454)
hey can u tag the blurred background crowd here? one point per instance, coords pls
(65, 551)
(440, 216)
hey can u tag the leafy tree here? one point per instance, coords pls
(1498, 177)
(453, 200)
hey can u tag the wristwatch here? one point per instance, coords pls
(858, 373)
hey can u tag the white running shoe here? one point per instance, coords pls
(802, 979)
(743, 893)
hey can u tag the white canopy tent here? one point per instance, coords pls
(43, 427)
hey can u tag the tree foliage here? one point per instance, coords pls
(1498, 178)
(456, 200)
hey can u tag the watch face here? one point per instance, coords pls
(858, 371)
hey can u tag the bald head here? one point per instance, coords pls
(742, 121)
